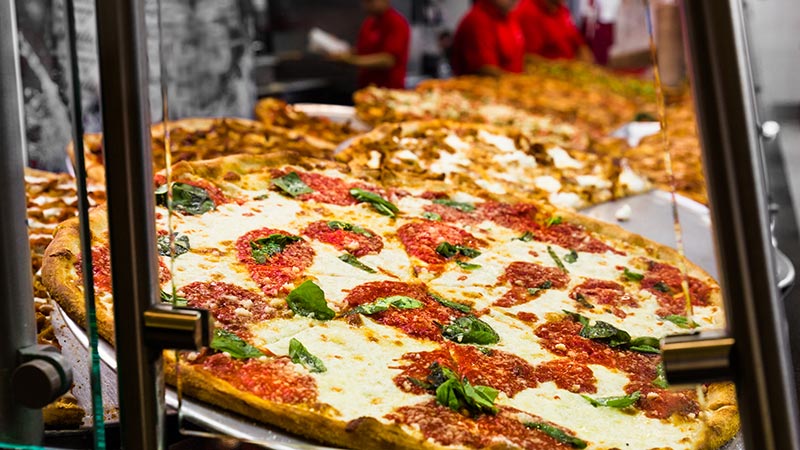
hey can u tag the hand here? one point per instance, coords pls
(344, 57)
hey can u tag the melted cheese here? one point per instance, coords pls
(562, 159)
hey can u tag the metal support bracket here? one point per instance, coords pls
(168, 327)
(700, 357)
(42, 376)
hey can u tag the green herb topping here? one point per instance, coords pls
(681, 321)
(526, 237)
(547, 284)
(614, 337)
(173, 299)
(267, 247)
(461, 206)
(449, 250)
(571, 257)
(459, 394)
(558, 262)
(468, 266)
(450, 304)
(300, 355)
(632, 276)
(185, 198)
(661, 377)
(292, 184)
(622, 401)
(470, 330)
(557, 434)
(180, 241)
(378, 203)
(353, 261)
(555, 220)
(662, 287)
(309, 300)
(384, 303)
(431, 216)
(337, 225)
(225, 341)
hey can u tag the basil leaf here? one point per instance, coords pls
(419, 383)
(555, 258)
(681, 321)
(378, 203)
(292, 184)
(631, 276)
(645, 344)
(557, 434)
(463, 207)
(309, 300)
(300, 355)
(661, 377)
(353, 261)
(486, 351)
(431, 216)
(337, 225)
(555, 220)
(225, 341)
(662, 287)
(571, 257)
(605, 332)
(180, 241)
(526, 237)
(622, 401)
(582, 301)
(468, 266)
(460, 395)
(384, 303)
(267, 247)
(583, 320)
(470, 330)
(547, 284)
(185, 198)
(450, 304)
(172, 299)
(449, 250)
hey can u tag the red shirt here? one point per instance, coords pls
(549, 34)
(487, 37)
(386, 33)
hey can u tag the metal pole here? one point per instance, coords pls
(736, 181)
(129, 175)
(18, 424)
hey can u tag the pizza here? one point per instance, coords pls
(276, 113)
(500, 160)
(376, 106)
(370, 315)
(685, 151)
(51, 199)
(198, 139)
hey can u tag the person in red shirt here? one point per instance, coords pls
(488, 40)
(382, 47)
(549, 30)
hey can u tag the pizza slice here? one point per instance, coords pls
(501, 161)
(278, 114)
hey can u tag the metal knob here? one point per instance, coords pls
(41, 378)
(770, 129)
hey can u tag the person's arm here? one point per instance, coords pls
(381, 60)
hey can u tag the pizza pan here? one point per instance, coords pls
(651, 217)
(75, 343)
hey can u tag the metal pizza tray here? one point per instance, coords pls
(651, 217)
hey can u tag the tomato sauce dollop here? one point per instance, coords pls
(233, 307)
(356, 244)
(523, 276)
(662, 277)
(280, 268)
(421, 239)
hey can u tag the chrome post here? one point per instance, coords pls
(18, 424)
(131, 214)
(729, 131)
